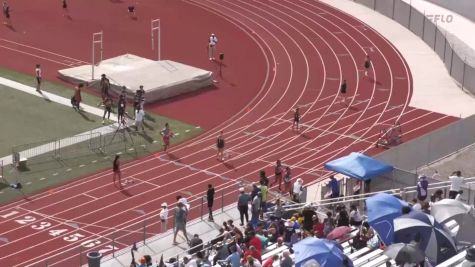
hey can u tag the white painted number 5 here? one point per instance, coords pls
(73, 237)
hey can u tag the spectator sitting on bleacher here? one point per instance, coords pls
(270, 261)
(328, 224)
(254, 253)
(222, 252)
(426, 207)
(234, 259)
(318, 227)
(405, 210)
(343, 218)
(355, 216)
(286, 260)
(415, 204)
(255, 242)
(251, 262)
(437, 196)
(199, 261)
(196, 244)
(308, 214)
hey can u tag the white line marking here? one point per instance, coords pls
(93, 197)
(42, 178)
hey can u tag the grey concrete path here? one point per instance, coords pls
(162, 244)
(434, 89)
(63, 101)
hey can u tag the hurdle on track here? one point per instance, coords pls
(97, 39)
(155, 27)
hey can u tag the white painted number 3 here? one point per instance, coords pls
(73, 237)
(41, 226)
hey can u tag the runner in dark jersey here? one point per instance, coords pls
(220, 146)
(367, 65)
(296, 119)
(343, 91)
(116, 170)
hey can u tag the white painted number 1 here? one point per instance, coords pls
(10, 214)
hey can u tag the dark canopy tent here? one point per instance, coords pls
(359, 166)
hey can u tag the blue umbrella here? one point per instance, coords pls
(382, 210)
(434, 240)
(327, 253)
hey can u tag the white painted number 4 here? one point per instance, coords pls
(57, 232)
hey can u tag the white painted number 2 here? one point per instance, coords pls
(73, 237)
(41, 226)
(26, 219)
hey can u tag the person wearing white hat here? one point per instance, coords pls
(164, 216)
(213, 40)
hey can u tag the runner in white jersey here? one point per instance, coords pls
(38, 78)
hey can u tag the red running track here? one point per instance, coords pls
(307, 49)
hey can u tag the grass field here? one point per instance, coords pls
(30, 119)
(27, 119)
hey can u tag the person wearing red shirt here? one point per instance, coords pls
(253, 252)
(256, 242)
(318, 227)
(270, 261)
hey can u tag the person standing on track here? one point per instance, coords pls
(343, 91)
(166, 135)
(278, 170)
(180, 222)
(6, 13)
(367, 65)
(213, 41)
(65, 8)
(288, 181)
(296, 122)
(116, 170)
(38, 78)
(210, 200)
(220, 146)
(164, 216)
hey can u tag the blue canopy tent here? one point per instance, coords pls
(359, 166)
